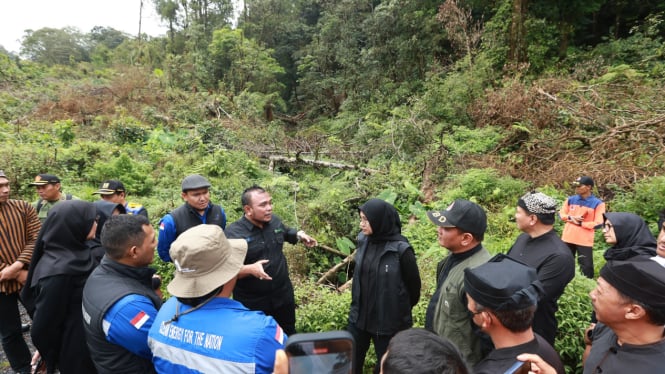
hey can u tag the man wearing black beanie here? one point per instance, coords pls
(629, 301)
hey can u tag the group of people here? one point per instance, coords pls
(83, 274)
(85, 279)
(500, 311)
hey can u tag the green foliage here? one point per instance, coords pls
(484, 186)
(242, 65)
(127, 130)
(574, 315)
(51, 46)
(64, 131)
(134, 175)
(463, 140)
(645, 199)
(619, 73)
(319, 308)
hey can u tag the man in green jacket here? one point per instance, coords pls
(50, 192)
(461, 229)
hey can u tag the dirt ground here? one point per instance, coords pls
(4, 364)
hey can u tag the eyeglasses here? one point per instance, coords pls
(608, 226)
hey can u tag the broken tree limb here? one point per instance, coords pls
(329, 276)
(327, 164)
(333, 250)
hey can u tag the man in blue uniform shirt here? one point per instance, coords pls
(119, 303)
(201, 329)
(196, 210)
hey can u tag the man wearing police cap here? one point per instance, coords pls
(502, 297)
(540, 247)
(629, 301)
(113, 190)
(461, 230)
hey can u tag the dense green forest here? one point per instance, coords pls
(328, 103)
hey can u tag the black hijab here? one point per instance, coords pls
(104, 211)
(633, 237)
(384, 221)
(60, 247)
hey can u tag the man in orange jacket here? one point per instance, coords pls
(582, 213)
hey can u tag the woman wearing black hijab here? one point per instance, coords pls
(105, 209)
(629, 235)
(60, 265)
(386, 281)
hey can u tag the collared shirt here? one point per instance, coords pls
(168, 232)
(264, 243)
(222, 336)
(608, 357)
(443, 268)
(19, 226)
(500, 360)
(45, 205)
(592, 209)
(127, 324)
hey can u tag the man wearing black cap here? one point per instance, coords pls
(19, 227)
(502, 296)
(114, 191)
(540, 247)
(629, 301)
(50, 192)
(582, 213)
(196, 210)
(461, 229)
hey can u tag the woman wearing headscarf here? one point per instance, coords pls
(386, 281)
(629, 236)
(105, 209)
(60, 266)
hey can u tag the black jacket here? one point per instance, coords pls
(394, 296)
(108, 283)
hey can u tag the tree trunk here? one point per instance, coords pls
(517, 51)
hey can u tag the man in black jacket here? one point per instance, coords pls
(263, 282)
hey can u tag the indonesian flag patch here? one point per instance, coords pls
(139, 319)
(279, 335)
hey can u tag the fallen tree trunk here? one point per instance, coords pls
(327, 164)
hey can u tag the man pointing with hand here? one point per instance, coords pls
(263, 282)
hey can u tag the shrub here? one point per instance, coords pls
(484, 186)
(644, 200)
(574, 315)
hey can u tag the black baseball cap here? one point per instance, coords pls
(463, 214)
(585, 180)
(43, 179)
(109, 187)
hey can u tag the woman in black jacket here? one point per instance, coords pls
(60, 265)
(386, 281)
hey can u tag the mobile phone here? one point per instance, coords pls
(519, 367)
(328, 352)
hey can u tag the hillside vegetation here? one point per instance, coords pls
(330, 103)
